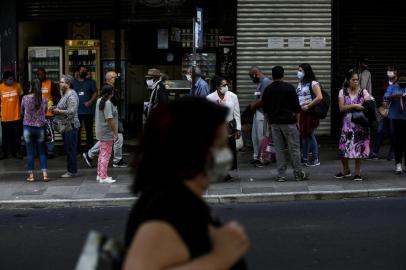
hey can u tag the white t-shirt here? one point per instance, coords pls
(231, 101)
(304, 93)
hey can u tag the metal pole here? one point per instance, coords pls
(194, 59)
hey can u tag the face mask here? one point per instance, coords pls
(390, 83)
(83, 75)
(300, 75)
(189, 77)
(224, 89)
(390, 74)
(402, 84)
(221, 164)
(9, 82)
(150, 83)
(255, 80)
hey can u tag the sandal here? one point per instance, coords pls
(45, 178)
(30, 178)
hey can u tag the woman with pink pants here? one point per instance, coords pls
(106, 118)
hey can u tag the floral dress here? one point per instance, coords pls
(354, 140)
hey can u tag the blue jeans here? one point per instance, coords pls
(385, 127)
(34, 138)
(70, 140)
(309, 144)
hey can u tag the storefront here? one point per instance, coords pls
(149, 34)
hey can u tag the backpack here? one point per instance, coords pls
(320, 111)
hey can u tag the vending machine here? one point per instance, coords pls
(49, 58)
(83, 52)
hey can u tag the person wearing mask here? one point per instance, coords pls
(385, 125)
(396, 96)
(309, 94)
(259, 125)
(34, 107)
(364, 75)
(281, 105)
(184, 149)
(111, 79)
(354, 140)
(67, 112)
(201, 87)
(158, 91)
(10, 93)
(106, 132)
(87, 92)
(52, 95)
(224, 97)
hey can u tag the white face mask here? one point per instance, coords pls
(189, 77)
(220, 165)
(150, 83)
(300, 75)
(390, 83)
(224, 89)
(390, 74)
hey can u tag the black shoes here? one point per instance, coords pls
(341, 175)
(120, 164)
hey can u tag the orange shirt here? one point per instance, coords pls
(46, 88)
(10, 102)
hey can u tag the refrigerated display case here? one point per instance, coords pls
(109, 64)
(49, 58)
(83, 52)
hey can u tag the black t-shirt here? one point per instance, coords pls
(280, 103)
(184, 211)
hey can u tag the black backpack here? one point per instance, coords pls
(320, 111)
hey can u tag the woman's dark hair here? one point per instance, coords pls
(106, 91)
(309, 76)
(216, 82)
(348, 77)
(37, 91)
(176, 142)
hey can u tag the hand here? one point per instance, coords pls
(238, 134)
(358, 107)
(305, 107)
(88, 104)
(52, 108)
(229, 243)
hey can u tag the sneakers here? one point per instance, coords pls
(120, 164)
(98, 178)
(303, 161)
(302, 176)
(313, 163)
(281, 179)
(255, 162)
(372, 156)
(68, 175)
(357, 177)
(398, 169)
(341, 175)
(87, 159)
(108, 180)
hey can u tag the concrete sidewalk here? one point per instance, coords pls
(250, 184)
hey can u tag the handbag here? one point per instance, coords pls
(49, 132)
(384, 111)
(359, 118)
(61, 125)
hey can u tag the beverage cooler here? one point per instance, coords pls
(49, 58)
(83, 52)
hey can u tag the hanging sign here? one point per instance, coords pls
(199, 29)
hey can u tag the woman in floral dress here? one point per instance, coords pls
(354, 140)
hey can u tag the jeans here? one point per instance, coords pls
(87, 119)
(259, 128)
(288, 133)
(34, 138)
(385, 128)
(70, 140)
(11, 137)
(104, 158)
(117, 149)
(399, 127)
(309, 144)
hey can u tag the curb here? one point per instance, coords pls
(212, 199)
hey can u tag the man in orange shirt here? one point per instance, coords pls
(10, 92)
(51, 93)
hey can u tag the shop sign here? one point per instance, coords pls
(226, 41)
(318, 43)
(199, 29)
(276, 43)
(296, 42)
(82, 43)
(41, 53)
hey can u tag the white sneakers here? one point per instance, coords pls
(108, 180)
(398, 169)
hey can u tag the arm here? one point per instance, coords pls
(237, 116)
(72, 107)
(348, 108)
(318, 97)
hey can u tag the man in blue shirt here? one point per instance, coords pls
(201, 87)
(87, 92)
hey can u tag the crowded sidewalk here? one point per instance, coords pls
(249, 184)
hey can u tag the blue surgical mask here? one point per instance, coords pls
(9, 82)
(300, 75)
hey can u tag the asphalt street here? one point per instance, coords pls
(351, 234)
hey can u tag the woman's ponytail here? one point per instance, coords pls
(107, 90)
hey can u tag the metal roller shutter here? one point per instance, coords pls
(259, 20)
